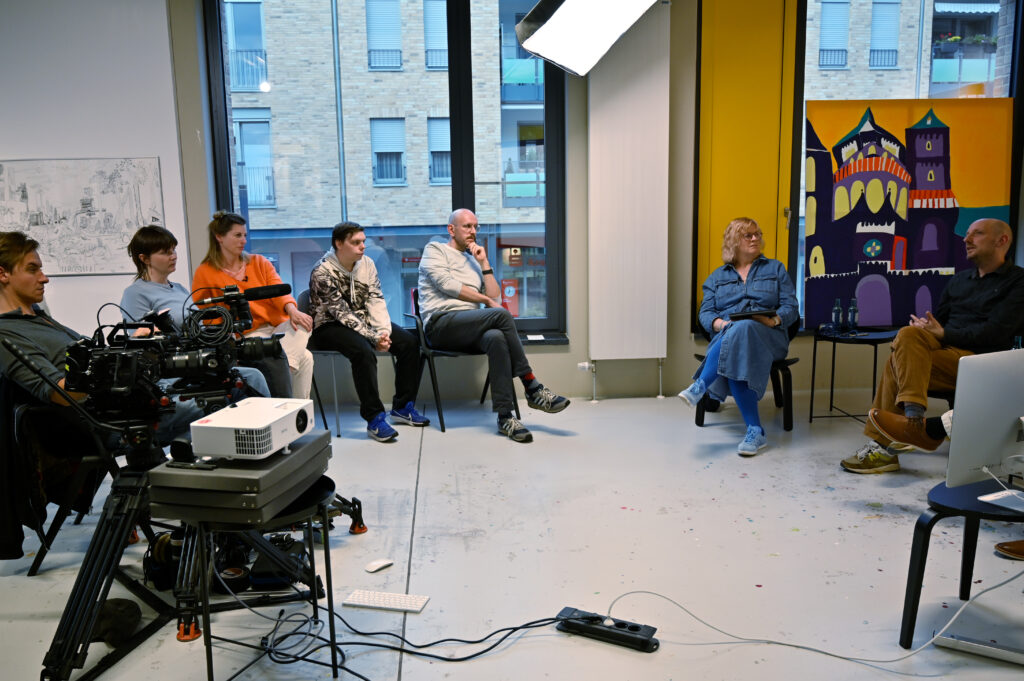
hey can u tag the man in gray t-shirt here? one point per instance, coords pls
(455, 280)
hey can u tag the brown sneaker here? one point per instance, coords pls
(1012, 549)
(902, 430)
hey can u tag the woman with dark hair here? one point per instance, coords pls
(741, 352)
(227, 264)
(152, 250)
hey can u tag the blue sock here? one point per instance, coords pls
(710, 371)
(746, 400)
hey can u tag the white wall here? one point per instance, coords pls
(91, 79)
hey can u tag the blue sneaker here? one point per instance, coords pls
(754, 441)
(380, 430)
(409, 416)
(693, 394)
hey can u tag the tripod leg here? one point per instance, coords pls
(70, 644)
(186, 584)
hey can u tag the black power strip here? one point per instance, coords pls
(608, 629)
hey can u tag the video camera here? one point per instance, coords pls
(125, 373)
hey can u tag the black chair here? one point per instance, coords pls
(303, 304)
(59, 460)
(428, 353)
(782, 385)
(945, 502)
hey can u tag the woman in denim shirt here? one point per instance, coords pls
(741, 352)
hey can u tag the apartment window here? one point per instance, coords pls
(247, 54)
(384, 35)
(435, 35)
(439, 142)
(885, 34)
(387, 142)
(253, 159)
(835, 30)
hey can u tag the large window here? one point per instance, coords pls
(345, 130)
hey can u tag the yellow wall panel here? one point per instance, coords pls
(745, 136)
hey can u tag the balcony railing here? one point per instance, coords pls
(958, 70)
(385, 60)
(437, 60)
(248, 69)
(259, 184)
(522, 80)
(388, 168)
(831, 59)
(440, 167)
(882, 59)
(523, 189)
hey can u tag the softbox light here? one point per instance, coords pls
(575, 34)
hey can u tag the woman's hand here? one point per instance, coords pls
(719, 324)
(770, 322)
(298, 319)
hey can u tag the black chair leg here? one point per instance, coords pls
(437, 393)
(51, 534)
(319, 403)
(970, 548)
(698, 413)
(487, 384)
(79, 517)
(915, 574)
(777, 391)
(787, 399)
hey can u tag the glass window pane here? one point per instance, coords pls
(509, 157)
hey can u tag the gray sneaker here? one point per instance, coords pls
(545, 400)
(514, 429)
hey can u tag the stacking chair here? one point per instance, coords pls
(428, 353)
(782, 386)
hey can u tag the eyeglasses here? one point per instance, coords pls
(752, 235)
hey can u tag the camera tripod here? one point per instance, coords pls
(127, 506)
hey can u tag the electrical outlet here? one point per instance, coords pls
(608, 629)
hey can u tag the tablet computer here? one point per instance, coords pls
(747, 314)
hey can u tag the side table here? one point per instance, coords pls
(864, 336)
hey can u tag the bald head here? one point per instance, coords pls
(987, 242)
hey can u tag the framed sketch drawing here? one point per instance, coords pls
(83, 212)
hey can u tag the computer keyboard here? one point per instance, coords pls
(382, 600)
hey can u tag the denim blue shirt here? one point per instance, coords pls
(768, 286)
(748, 346)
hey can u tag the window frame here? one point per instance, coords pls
(460, 88)
(386, 62)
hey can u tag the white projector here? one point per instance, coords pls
(253, 428)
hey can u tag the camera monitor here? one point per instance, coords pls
(987, 419)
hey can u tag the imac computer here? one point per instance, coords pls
(987, 419)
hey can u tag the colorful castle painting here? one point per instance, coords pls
(885, 223)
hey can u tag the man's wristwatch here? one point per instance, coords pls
(487, 271)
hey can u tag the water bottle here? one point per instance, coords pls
(1017, 343)
(837, 316)
(851, 316)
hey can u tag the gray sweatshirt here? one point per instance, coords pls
(443, 272)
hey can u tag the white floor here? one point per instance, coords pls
(612, 497)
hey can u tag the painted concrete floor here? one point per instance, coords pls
(612, 497)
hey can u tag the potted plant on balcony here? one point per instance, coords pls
(990, 44)
(947, 43)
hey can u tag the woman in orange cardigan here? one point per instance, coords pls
(227, 264)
